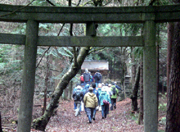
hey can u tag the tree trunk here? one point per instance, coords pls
(0, 123)
(133, 69)
(70, 90)
(173, 103)
(46, 83)
(169, 49)
(41, 122)
(157, 67)
(141, 113)
(140, 120)
(134, 104)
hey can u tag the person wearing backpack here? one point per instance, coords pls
(90, 102)
(91, 78)
(99, 92)
(97, 78)
(86, 76)
(119, 88)
(104, 102)
(114, 91)
(78, 97)
(85, 90)
(82, 79)
(97, 95)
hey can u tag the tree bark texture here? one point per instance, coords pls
(41, 122)
(140, 119)
(173, 103)
(0, 123)
(134, 95)
(133, 69)
(169, 49)
(46, 83)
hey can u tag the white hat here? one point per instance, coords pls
(90, 88)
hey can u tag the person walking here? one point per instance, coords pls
(90, 102)
(99, 92)
(86, 76)
(119, 88)
(104, 102)
(114, 91)
(78, 97)
(85, 90)
(82, 80)
(97, 78)
(97, 95)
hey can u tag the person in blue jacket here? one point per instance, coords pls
(78, 97)
(97, 95)
(104, 102)
(74, 90)
(99, 92)
(85, 90)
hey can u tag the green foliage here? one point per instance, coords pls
(40, 3)
(134, 117)
(162, 107)
(137, 52)
(163, 121)
(10, 65)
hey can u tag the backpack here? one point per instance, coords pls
(78, 95)
(105, 102)
(114, 91)
(82, 79)
(98, 76)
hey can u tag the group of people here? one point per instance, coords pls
(94, 97)
(87, 78)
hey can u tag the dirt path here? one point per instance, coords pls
(118, 120)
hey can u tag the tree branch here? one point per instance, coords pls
(100, 49)
(17, 9)
(50, 3)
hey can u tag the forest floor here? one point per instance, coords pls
(119, 120)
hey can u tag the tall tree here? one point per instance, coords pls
(134, 95)
(173, 103)
(170, 27)
(41, 122)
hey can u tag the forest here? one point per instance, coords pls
(58, 70)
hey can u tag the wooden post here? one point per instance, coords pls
(149, 75)
(27, 92)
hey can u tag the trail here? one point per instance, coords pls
(118, 120)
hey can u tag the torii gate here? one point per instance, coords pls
(148, 15)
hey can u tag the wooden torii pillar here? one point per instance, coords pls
(149, 78)
(27, 92)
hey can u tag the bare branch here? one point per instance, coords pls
(17, 9)
(50, 3)
(100, 49)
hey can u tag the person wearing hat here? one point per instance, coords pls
(90, 102)
(104, 102)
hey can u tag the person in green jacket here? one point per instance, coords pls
(114, 91)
